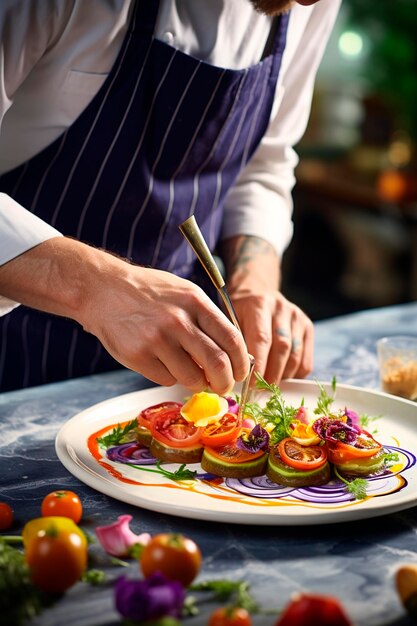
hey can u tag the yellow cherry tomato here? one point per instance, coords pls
(40, 526)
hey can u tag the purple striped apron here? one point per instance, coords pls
(165, 137)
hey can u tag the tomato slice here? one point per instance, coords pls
(364, 447)
(230, 453)
(146, 416)
(222, 432)
(170, 428)
(300, 457)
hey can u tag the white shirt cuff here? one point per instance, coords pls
(20, 231)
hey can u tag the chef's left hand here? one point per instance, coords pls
(277, 332)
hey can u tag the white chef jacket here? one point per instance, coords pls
(56, 54)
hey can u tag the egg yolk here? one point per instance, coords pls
(204, 408)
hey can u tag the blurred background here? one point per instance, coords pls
(355, 215)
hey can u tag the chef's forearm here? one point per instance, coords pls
(53, 276)
(251, 262)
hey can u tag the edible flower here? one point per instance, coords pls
(204, 408)
(336, 430)
(117, 539)
(253, 441)
(150, 599)
(233, 405)
(353, 418)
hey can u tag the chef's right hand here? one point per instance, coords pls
(153, 322)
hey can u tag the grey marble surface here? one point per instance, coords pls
(353, 561)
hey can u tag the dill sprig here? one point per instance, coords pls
(356, 487)
(325, 400)
(274, 412)
(118, 435)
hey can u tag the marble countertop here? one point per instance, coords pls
(354, 561)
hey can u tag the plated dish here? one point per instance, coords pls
(255, 500)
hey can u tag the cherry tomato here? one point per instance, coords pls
(41, 525)
(364, 447)
(62, 504)
(312, 610)
(170, 428)
(176, 556)
(224, 431)
(230, 616)
(56, 559)
(304, 458)
(146, 416)
(6, 516)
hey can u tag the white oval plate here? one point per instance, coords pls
(199, 499)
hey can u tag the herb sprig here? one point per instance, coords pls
(118, 435)
(19, 599)
(237, 592)
(325, 400)
(182, 473)
(356, 487)
(274, 412)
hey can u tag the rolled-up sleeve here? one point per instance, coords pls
(20, 231)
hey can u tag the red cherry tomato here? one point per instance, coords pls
(170, 428)
(230, 616)
(176, 556)
(314, 610)
(364, 447)
(6, 516)
(226, 430)
(62, 504)
(56, 559)
(304, 458)
(146, 416)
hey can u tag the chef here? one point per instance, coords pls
(120, 119)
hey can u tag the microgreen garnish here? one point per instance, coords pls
(366, 421)
(325, 400)
(390, 458)
(274, 412)
(356, 487)
(180, 474)
(117, 435)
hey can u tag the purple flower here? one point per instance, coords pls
(155, 597)
(335, 430)
(117, 538)
(257, 439)
(353, 418)
(233, 405)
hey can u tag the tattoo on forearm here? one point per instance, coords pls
(250, 249)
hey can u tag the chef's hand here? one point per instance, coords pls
(152, 322)
(277, 332)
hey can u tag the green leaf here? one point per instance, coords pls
(182, 473)
(19, 599)
(118, 435)
(356, 487)
(93, 577)
(325, 400)
(236, 592)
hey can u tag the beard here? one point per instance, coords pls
(272, 7)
